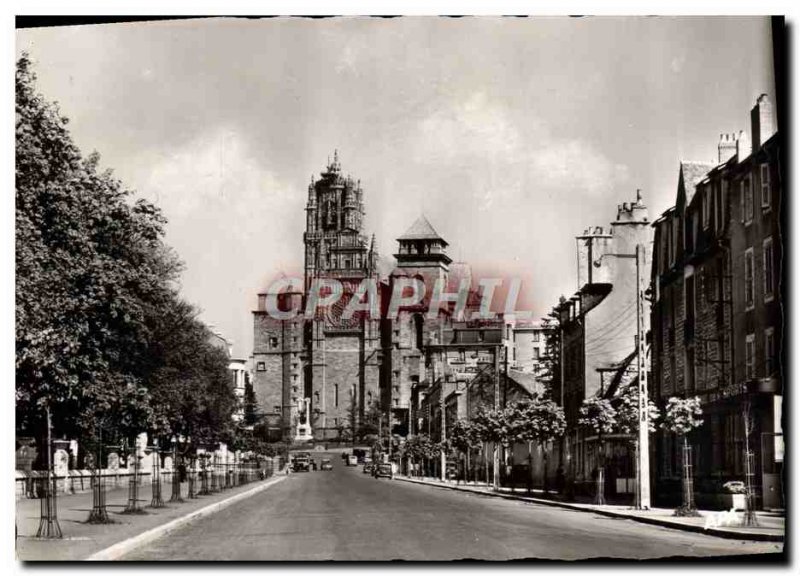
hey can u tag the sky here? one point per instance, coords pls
(512, 135)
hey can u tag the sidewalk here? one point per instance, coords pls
(82, 540)
(771, 526)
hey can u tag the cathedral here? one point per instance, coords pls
(329, 371)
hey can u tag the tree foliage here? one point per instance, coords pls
(538, 420)
(464, 436)
(420, 446)
(550, 363)
(627, 407)
(102, 336)
(682, 415)
(598, 415)
(250, 408)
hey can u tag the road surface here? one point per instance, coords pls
(344, 514)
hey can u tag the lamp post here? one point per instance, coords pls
(643, 444)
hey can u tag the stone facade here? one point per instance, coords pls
(349, 368)
(716, 312)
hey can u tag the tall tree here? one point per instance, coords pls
(498, 427)
(541, 421)
(87, 263)
(464, 438)
(102, 337)
(250, 408)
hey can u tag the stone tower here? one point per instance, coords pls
(422, 255)
(342, 360)
(334, 243)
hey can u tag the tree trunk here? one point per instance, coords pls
(530, 468)
(545, 460)
(687, 480)
(486, 462)
(496, 466)
(600, 497)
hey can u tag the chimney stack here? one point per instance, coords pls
(743, 149)
(762, 121)
(726, 147)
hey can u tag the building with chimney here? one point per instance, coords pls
(597, 333)
(717, 318)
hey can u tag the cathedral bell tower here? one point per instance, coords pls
(342, 360)
(334, 244)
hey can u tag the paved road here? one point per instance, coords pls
(347, 515)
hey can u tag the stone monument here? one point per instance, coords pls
(303, 420)
(61, 462)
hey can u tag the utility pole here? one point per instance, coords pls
(643, 444)
(565, 439)
(389, 434)
(643, 456)
(443, 434)
(496, 453)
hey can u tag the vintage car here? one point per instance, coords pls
(384, 471)
(326, 464)
(367, 469)
(301, 463)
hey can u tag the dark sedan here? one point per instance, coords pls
(384, 471)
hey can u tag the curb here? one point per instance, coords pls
(755, 536)
(119, 549)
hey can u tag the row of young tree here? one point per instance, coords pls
(536, 421)
(105, 344)
(620, 415)
(540, 422)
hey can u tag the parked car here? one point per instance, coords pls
(367, 468)
(352, 460)
(384, 471)
(301, 462)
(326, 464)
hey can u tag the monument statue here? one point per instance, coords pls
(303, 420)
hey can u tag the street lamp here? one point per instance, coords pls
(643, 444)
